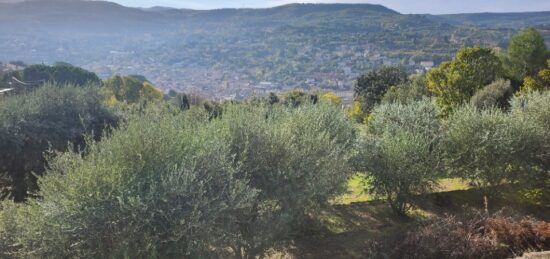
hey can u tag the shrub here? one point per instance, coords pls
(497, 94)
(401, 152)
(296, 157)
(475, 236)
(48, 118)
(61, 74)
(534, 109)
(489, 147)
(159, 186)
(172, 184)
(297, 98)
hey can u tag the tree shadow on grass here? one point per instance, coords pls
(347, 231)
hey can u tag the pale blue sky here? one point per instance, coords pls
(403, 6)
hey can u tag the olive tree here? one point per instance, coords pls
(534, 108)
(401, 152)
(159, 186)
(172, 184)
(46, 119)
(489, 147)
(297, 157)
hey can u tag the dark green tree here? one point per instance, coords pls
(62, 73)
(181, 100)
(49, 118)
(527, 54)
(370, 88)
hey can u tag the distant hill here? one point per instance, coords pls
(219, 51)
(74, 14)
(499, 20)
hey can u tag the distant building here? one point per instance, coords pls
(266, 84)
(427, 65)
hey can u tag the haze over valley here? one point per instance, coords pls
(236, 53)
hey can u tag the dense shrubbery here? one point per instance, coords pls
(171, 184)
(490, 147)
(534, 109)
(48, 118)
(401, 152)
(62, 73)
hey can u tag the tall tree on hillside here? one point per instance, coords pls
(370, 88)
(455, 82)
(131, 89)
(527, 54)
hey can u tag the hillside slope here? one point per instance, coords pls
(221, 52)
(500, 20)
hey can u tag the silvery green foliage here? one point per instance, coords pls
(296, 157)
(496, 94)
(48, 117)
(168, 184)
(490, 147)
(534, 108)
(401, 152)
(156, 187)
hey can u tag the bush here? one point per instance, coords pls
(159, 186)
(477, 236)
(497, 94)
(534, 109)
(490, 147)
(296, 157)
(48, 118)
(61, 74)
(401, 152)
(172, 184)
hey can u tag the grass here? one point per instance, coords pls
(356, 191)
(452, 184)
(356, 219)
(357, 185)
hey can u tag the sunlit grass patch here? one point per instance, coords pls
(452, 184)
(357, 191)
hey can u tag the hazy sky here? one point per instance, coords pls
(403, 6)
